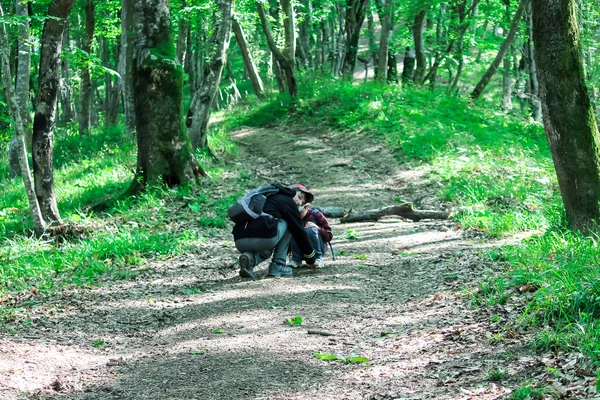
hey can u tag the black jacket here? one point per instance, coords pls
(281, 205)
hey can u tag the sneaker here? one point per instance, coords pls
(294, 264)
(246, 266)
(320, 263)
(279, 270)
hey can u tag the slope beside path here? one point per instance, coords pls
(397, 295)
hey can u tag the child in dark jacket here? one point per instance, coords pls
(319, 234)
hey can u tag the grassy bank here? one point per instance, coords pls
(495, 169)
(121, 241)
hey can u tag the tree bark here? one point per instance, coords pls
(126, 65)
(485, 79)
(408, 69)
(355, 16)
(13, 105)
(66, 101)
(405, 210)
(86, 79)
(165, 152)
(182, 36)
(211, 76)
(418, 37)
(304, 33)
(569, 120)
(286, 64)
(506, 78)
(45, 108)
(386, 25)
(21, 87)
(534, 91)
(248, 61)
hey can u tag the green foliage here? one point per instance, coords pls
(297, 320)
(528, 392)
(116, 244)
(353, 358)
(496, 375)
(351, 234)
(218, 331)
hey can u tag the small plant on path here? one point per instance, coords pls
(297, 320)
(352, 358)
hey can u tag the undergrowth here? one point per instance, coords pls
(119, 242)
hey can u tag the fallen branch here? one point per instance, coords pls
(404, 210)
(331, 212)
(321, 333)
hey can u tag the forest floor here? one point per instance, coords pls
(398, 294)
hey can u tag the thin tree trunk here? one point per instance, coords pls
(248, 61)
(212, 76)
(188, 61)
(355, 16)
(165, 152)
(485, 79)
(418, 37)
(126, 65)
(569, 119)
(66, 101)
(386, 25)
(13, 105)
(408, 69)
(304, 33)
(286, 64)
(86, 79)
(22, 86)
(534, 98)
(45, 109)
(372, 42)
(182, 36)
(506, 78)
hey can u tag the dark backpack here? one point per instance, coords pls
(251, 206)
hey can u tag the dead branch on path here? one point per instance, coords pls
(405, 210)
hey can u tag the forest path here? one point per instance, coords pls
(190, 328)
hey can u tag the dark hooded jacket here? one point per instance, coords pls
(281, 205)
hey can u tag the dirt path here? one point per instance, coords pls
(192, 329)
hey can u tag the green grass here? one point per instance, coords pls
(495, 167)
(116, 244)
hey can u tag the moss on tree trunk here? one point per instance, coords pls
(164, 148)
(568, 115)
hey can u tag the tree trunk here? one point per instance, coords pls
(485, 79)
(126, 65)
(304, 33)
(45, 108)
(248, 61)
(569, 119)
(165, 152)
(289, 26)
(386, 25)
(21, 87)
(286, 64)
(211, 76)
(506, 78)
(418, 37)
(13, 106)
(534, 91)
(355, 16)
(182, 36)
(86, 79)
(372, 42)
(408, 69)
(66, 101)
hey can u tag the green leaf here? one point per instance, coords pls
(297, 320)
(325, 356)
(218, 330)
(356, 360)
